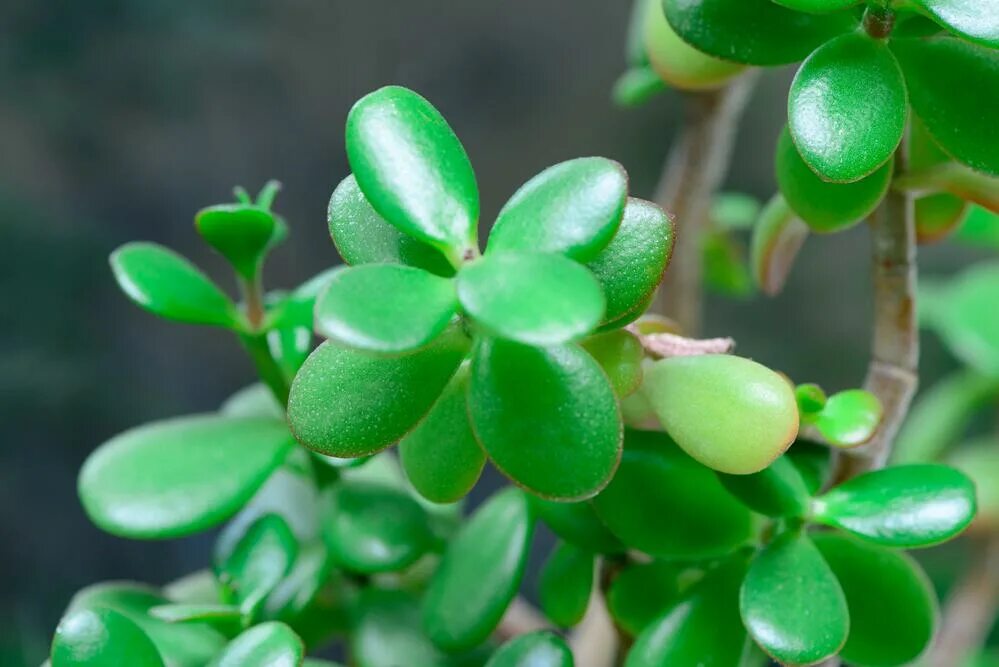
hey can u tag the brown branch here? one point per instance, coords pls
(694, 170)
(663, 345)
(520, 618)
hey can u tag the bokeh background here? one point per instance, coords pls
(120, 118)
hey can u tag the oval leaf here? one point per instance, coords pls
(577, 523)
(777, 490)
(847, 108)
(849, 418)
(534, 649)
(679, 64)
(102, 637)
(777, 238)
(349, 403)
(271, 644)
(572, 208)
(564, 584)
(535, 299)
(547, 417)
(975, 20)
(818, 6)
(242, 234)
(411, 167)
(640, 594)
(180, 476)
(258, 562)
(465, 601)
(620, 354)
(637, 86)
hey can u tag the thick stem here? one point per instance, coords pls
(694, 171)
(255, 341)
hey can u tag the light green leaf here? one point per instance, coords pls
(100, 638)
(679, 64)
(975, 20)
(979, 460)
(620, 354)
(534, 649)
(980, 229)
(637, 86)
(271, 644)
(565, 583)
(220, 615)
(849, 418)
(258, 562)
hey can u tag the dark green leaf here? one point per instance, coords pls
(534, 649)
(792, 604)
(466, 600)
(242, 234)
(565, 583)
(678, 63)
(164, 283)
(180, 476)
(411, 167)
(640, 594)
(620, 354)
(547, 417)
(846, 113)
(975, 20)
(101, 638)
(578, 524)
(572, 208)
(813, 461)
(537, 299)
(258, 562)
(849, 418)
(777, 490)
(777, 238)
(656, 479)
(349, 403)
(903, 506)
(271, 644)
(818, 6)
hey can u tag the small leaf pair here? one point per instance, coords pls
(846, 419)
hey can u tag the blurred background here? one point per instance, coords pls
(120, 118)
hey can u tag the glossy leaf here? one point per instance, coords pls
(572, 208)
(385, 307)
(939, 213)
(271, 644)
(777, 490)
(534, 649)
(362, 236)
(850, 418)
(100, 638)
(253, 400)
(373, 527)
(180, 476)
(940, 72)
(411, 167)
(656, 479)
(840, 138)
(299, 593)
(792, 604)
(578, 524)
(969, 323)
(811, 399)
(979, 460)
(777, 238)
(640, 594)
(242, 234)
(166, 284)
(679, 64)
(824, 206)
(350, 403)
(620, 354)
(754, 32)
(547, 417)
(893, 610)
(537, 299)
(219, 615)
(903, 506)
(565, 583)
(258, 562)
(702, 629)
(975, 20)
(813, 461)
(465, 600)
(818, 6)
(729, 413)
(632, 265)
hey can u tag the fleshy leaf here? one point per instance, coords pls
(903, 506)
(564, 584)
(242, 234)
(818, 6)
(729, 413)
(270, 644)
(979, 460)
(620, 354)
(221, 615)
(892, 605)
(975, 20)
(777, 490)
(385, 307)
(534, 649)
(102, 637)
(572, 208)
(679, 64)
(968, 322)
(980, 229)
(499, 533)
(654, 480)
(777, 238)
(577, 523)
(349, 403)
(180, 476)
(849, 418)
(754, 32)
(547, 417)
(641, 593)
(637, 86)
(537, 299)
(725, 269)
(166, 284)
(847, 110)
(259, 561)
(411, 167)
(792, 604)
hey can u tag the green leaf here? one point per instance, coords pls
(937, 215)
(537, 299)
(813, 461)
(824, 206)
(847, 110)
(572, 208)
(849, 418)
(734, 211)
(725, 270)
(534, 649)
(903, 506)
(349, 403)
(754, 32)
(100, 638)
(547, 417)
(299, 594)
(654, 480)
(620, 354)
(166, 284)
(361, 236)
(979, 460)
(198, 587)
(372, 527)
(729, 413)
(637, 86)
(811, 399)
(703, 628)
(968, 322)
(578, 524)
(777, 490)
(565, 583)
(792, 604)
(980, 229)
(640, 594)
(818, 6)
(411, 167)
(441, 456)
(940, 72)
(242, 234)
(385, 307)
(632, 265)
(219, 615)
(975, 20)
(777, 238)
(180, 476)
(466, 600)
(289, 338)
(893, 610)
(254, 400)
(258, 563)
(679, 64)
(271, 644)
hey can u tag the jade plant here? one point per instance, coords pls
(708, 510)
